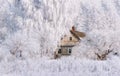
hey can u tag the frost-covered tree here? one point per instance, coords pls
(43, 22)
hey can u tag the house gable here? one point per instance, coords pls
(68, 40)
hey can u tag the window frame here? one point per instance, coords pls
(59, 51)
(70, 50)
(70, 38)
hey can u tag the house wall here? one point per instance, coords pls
(65, 50)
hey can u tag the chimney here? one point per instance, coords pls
(73, 28)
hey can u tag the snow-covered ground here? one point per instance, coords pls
(61, 67)
(30, 30)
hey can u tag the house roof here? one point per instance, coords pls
(77, 34)
(67, 45)
(66, 42)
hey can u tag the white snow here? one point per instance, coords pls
(30, 31)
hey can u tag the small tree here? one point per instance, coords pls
(102, 55)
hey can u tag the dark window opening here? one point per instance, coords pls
(61, 38)
(70, 38)
(70, 50)
(59, 51)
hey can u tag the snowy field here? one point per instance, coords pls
(61, 67)
(30, 31)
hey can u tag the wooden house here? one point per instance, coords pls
(67, 42)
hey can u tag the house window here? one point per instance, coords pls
(59, 51)
(70, 50)
(70, 38)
